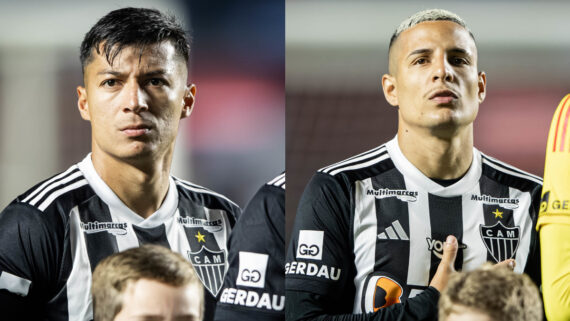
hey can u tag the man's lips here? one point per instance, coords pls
(444, 96)
(136, 130)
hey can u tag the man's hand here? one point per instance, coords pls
(510, 264)
(445, 267)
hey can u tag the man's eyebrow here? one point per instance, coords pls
(157, 72)
(460, 50)
(420, 51)
(109, 72)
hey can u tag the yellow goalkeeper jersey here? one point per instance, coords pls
(554, 218)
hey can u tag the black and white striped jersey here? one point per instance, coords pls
(254, 287)
(369, 230)
(53, 236)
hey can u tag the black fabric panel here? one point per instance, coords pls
(99, 244)
(445, 219)
(155, 235)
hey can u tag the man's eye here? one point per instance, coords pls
(420, 61)
(109, 83)
(458, 61)
(156, 82)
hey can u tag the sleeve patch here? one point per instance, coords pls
(14, 284)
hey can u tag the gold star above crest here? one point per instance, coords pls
(200, 237)
(498, 213)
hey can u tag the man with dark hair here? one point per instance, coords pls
(122, 194)
(370, 233)
(146, 282)
(254, 287)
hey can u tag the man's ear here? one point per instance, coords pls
(390, 90)
(482, 86)
(82, 104)
(189, 99)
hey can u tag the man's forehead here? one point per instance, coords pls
(436, 33)
(150, 56)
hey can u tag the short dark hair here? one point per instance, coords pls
(133, 27)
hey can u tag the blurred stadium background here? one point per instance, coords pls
(336, 53)
(233, 142)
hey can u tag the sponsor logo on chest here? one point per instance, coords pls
(401, 194)
(505, 202)
(114, 228)
(210, 226)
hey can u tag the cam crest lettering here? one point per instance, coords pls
(401, 194)
(210, 226)
(115, 228)
(508, 203)
(501, 241)
(210, 267)
(310, 245)
(252, 268)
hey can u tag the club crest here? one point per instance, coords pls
(210, 267)
(501, 241)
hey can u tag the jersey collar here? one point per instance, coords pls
(166, 210)
(464, 185)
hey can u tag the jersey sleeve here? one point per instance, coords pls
(313, 307)
(29, 269)
(319, 258)
(253, 288)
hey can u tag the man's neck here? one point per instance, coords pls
(446, 157)
(141, 187)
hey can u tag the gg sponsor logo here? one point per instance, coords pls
(310, 245)
(252, 267)
(311, 250)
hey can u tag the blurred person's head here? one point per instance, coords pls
(135, 73)
(490, 294)
(433, 76)
(144, 283)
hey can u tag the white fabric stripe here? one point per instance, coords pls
(79, 281)
(49, 182)
(211, 281)
(280, 182)
(176, 236)
(220, 273)
(507, 166)
(60, 192)
(400, 230)
(365, 229)
(517, 174)
(54, 186)
(382, 236)
(475, 254)
(420, 230)
(277, 179)
(356, 159)
(370, 153)
(222, 236)
(14, 283)
(129, 240)
(199, 189)
(391, 234)
(361, 165)
(522, 219)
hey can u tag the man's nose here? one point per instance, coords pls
(442, 70)
(135, 98)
